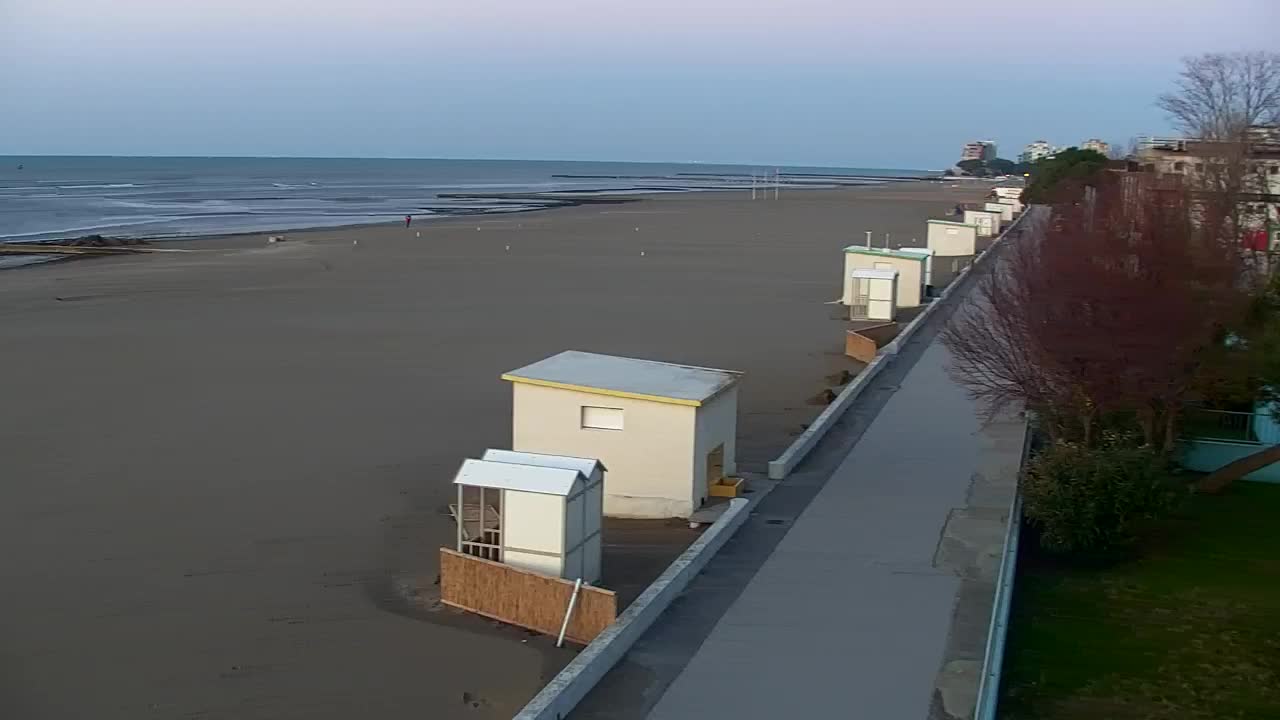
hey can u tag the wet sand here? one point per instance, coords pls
(223, 469)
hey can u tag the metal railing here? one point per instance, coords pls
(1242, 427)
(997, 632)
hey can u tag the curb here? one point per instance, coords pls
(567, 689)
(780, 468)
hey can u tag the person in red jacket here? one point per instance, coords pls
(407, 220)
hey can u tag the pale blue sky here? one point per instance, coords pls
(807, 82)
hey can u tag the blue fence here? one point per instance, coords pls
(1214, 438)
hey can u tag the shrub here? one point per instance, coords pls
(1095, 500)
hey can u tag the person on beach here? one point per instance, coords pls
(408, 219)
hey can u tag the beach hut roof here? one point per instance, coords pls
(881, 252)
(586, 466)
(871, 274)
(626, 377)
(953, 222)
(512, 476)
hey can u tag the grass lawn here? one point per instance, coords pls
(1191, 629)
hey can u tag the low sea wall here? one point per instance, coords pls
(807, 440)
(573, 683)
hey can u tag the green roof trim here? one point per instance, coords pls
(883, 252)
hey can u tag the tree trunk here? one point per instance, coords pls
(1220, 479)
(1147, 420)
(1170, 432)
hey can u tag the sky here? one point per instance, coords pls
(791, 82)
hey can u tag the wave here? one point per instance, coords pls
(97, 227)
(104, 186)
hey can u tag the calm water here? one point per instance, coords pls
(60, 197)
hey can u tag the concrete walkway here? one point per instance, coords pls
(862, 587)
(850, 615)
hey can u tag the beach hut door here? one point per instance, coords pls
(861, 298)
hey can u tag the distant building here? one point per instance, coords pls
(979, 150)
(1096, 145)
(1037, 150)
(1195, 159)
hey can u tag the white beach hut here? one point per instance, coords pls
(1006, 211)
(873, 294)
(988, 223)
(666, 432)
(927, 254)
(1008, 192)
(532, 511)
(1014, 203)
(910, 267)
(952, 239)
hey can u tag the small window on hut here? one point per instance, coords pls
(601, 418)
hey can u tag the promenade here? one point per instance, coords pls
(862, 587)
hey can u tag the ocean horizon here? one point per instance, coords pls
(46, 198)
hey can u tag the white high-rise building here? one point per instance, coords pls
(1037, 150)
(1096, 145)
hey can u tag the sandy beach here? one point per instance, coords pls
(224, 468)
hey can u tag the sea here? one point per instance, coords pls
(44, 198)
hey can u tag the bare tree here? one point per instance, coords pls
(1219, 96)
(1103, 314)
(1220, 101)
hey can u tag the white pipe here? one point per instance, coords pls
(573, 600)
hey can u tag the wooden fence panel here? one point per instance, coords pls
(523, 598)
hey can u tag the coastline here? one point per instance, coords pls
(286, 419)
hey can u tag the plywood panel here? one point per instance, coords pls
(523, 598)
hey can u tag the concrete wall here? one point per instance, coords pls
(649, 461)
(566, 689)
(948, 239)
(716, 423)
(910, 275)
(1210, 455)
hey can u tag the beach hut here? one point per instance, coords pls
(1014, 203)
(667, 432)
(927, 254)
(532, 511)
(909, 266)
(952, 239)
(1007, 192)
(988, 223)
(1006, 211)
(873, 294)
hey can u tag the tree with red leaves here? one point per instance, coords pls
(1099, 318)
